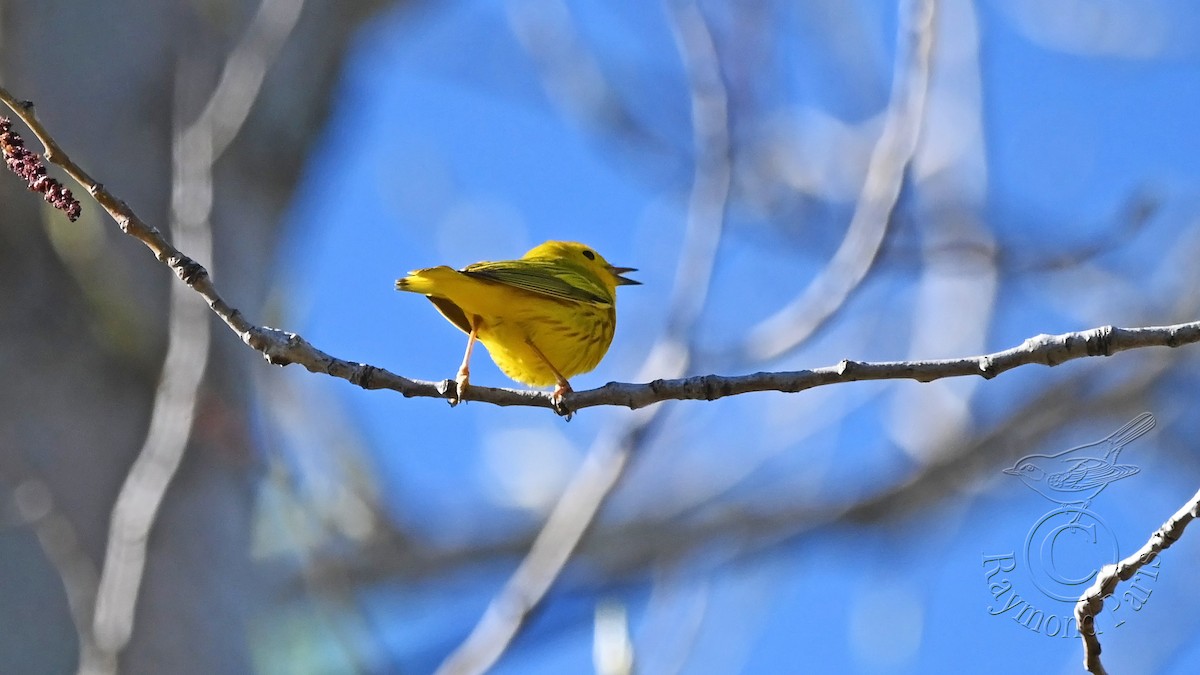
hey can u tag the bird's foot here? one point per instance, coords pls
(462, 382)
(556, 399)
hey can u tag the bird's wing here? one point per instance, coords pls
(1090, 473)
(541, 277)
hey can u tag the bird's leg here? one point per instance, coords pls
(562, 388)
(463, 379)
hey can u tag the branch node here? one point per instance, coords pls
(275, 354)
(189, 271)
(361, 377)
(255, 338)
(1099, 343)
(277, 358)
(449, 390)
(1036, 342)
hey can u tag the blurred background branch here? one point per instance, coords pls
(197, 147)
(794, 323)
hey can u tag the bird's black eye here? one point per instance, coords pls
(589, 255)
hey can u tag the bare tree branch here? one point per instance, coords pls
(1092, 601)
(282, 348)
(627, 548)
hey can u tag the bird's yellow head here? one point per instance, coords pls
(584, 259)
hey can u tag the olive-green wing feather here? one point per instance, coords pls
(544, 278)
(452, 312)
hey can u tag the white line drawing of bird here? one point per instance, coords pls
(1074, 477)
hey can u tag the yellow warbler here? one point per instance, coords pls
(543, 318)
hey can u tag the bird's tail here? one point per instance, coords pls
(1133, 429)
(427, 281)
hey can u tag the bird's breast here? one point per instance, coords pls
(574, 337)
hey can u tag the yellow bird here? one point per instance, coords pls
(544, 318)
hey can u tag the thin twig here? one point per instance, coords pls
(1092, 601)
(619, 550)
(605, 463)
(799, 319)
(282, 347)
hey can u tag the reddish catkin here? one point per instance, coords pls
(29, 167)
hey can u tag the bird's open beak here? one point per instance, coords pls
(622, 281)
(1011, 472)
